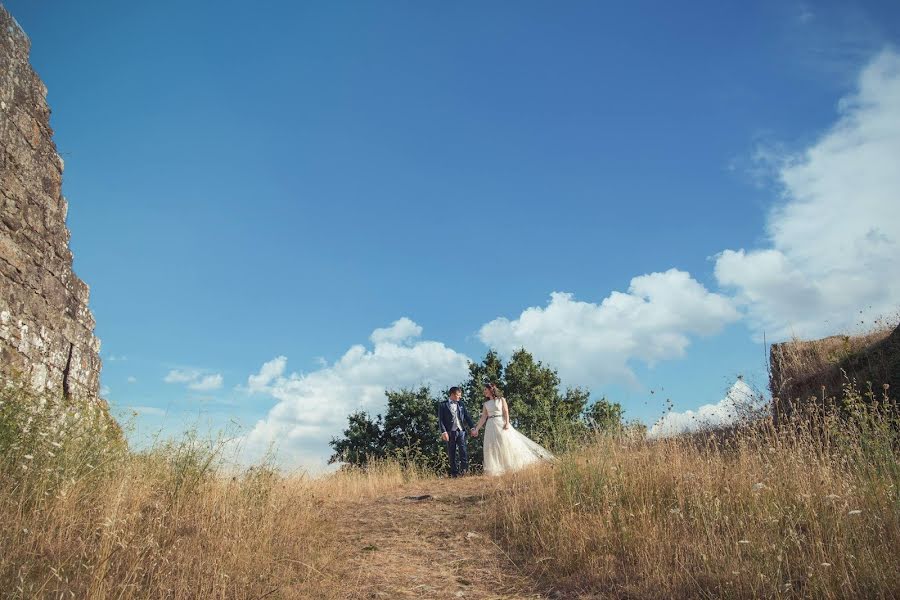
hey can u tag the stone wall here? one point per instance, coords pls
(46, 329)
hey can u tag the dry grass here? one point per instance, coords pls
(808, 371)
(84, 518)
(136, 535)
(810, 512)
(800, 512)
(802, 358)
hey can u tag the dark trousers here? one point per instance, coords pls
(456, 445)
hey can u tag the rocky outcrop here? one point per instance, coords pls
(804, 370)
(46, 329)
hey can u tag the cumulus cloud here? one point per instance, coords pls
(834, 239)
(268, 373)
(194, 379)
(400, 331)
(739, 403)
(312, 408)
(593, 344)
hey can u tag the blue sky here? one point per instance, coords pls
(634, 193)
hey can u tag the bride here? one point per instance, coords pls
(505, 449)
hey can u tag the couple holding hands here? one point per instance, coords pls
(505, 449)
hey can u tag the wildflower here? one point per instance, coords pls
(854, 512)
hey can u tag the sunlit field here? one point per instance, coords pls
(810, 510)
(84, 518)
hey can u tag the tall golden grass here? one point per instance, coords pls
(807, 511)
(84, 518)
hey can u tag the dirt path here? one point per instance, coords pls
(425, 541)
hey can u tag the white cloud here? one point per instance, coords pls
(195, 379)
(400, 331)
(313, 407)
(593, 344)
(104, 391)
(739, 403)
(269, 372)
(132, 379)
(835, 239)
(206, 383)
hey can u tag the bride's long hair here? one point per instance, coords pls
(496, 392)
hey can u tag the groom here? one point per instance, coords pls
(452, 414)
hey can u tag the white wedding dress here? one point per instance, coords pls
(507, 450)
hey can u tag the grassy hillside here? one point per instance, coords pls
(85, 518)
(811, 511)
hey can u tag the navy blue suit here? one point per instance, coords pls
(456, 445)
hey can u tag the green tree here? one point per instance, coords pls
(536, 405)
(411, 433)
(537, 408)
(408, 432)
(604, 415)
(362, 441)
(489, 370)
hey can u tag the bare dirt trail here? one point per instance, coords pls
(428, 540)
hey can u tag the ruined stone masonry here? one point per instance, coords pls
(46, 329)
